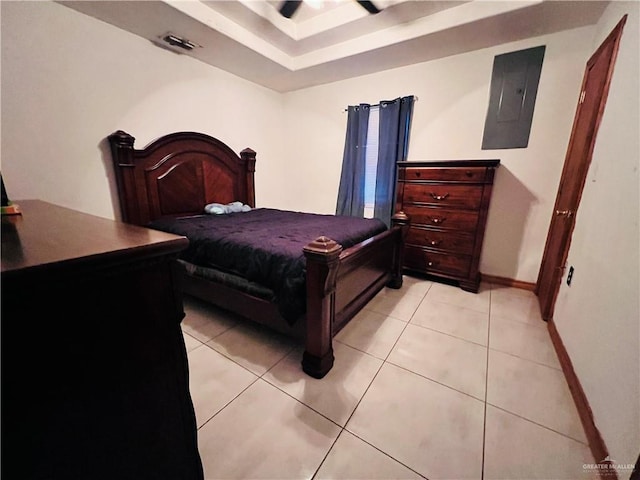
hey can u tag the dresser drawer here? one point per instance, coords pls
(446, 218)
(458, 196)
(435, 262)
(455, 174)
(447, 241)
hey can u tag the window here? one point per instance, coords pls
(371, 159)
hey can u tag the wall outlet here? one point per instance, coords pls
(570, 276)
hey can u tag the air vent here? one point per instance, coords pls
(176, 41)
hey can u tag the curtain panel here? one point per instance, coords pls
(393, 144)
(351, 190)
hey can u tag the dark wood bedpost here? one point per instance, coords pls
(402, 221)
(122, 153)
(322, 256)
(249, 156)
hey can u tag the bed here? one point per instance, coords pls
(167, 185)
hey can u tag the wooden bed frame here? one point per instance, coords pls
(178, 174)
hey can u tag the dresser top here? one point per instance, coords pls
(451, 163)
(47, 235)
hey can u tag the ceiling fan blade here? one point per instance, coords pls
(289, 7)
(369, 6)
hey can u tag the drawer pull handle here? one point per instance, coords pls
(434, 243)
(439, 197)
(469, 173)
(432, 264)
(437, 220)
(417, 174)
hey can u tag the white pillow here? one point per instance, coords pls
(221, 209)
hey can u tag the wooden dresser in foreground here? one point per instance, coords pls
(447, 202)
(95, 380)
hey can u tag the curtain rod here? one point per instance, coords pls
(415, 99)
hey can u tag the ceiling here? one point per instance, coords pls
(250, 38)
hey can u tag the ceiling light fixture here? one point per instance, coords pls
(289, 7)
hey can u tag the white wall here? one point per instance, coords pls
(598, 316)
(68, 81)
(448, 123)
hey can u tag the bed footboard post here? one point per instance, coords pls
(322, 256)
(402, 221)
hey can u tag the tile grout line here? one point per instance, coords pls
(343, 428)
(258, 377)
(383, 452)
(327, 454)
(302, 403)
(229, 402)
(539, 424)
(525, 359)
(384, 361)
(523, 322)
(449, 335)
(231, 359)
(261, 377)
(408, 370)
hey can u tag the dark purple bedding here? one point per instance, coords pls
(265, 246)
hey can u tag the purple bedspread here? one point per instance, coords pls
(265, 246)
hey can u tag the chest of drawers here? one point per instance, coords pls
(447, 202)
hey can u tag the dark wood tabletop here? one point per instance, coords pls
(50, 235)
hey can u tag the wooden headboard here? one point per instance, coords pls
(178, 174)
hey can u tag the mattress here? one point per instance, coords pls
(264, 247)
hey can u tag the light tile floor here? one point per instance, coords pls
(429, 382)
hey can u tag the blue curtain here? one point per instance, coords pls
(351, 190)
(393, 144)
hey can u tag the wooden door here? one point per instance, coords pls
(593, 96)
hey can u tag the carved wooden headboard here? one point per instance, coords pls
(178, 174)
